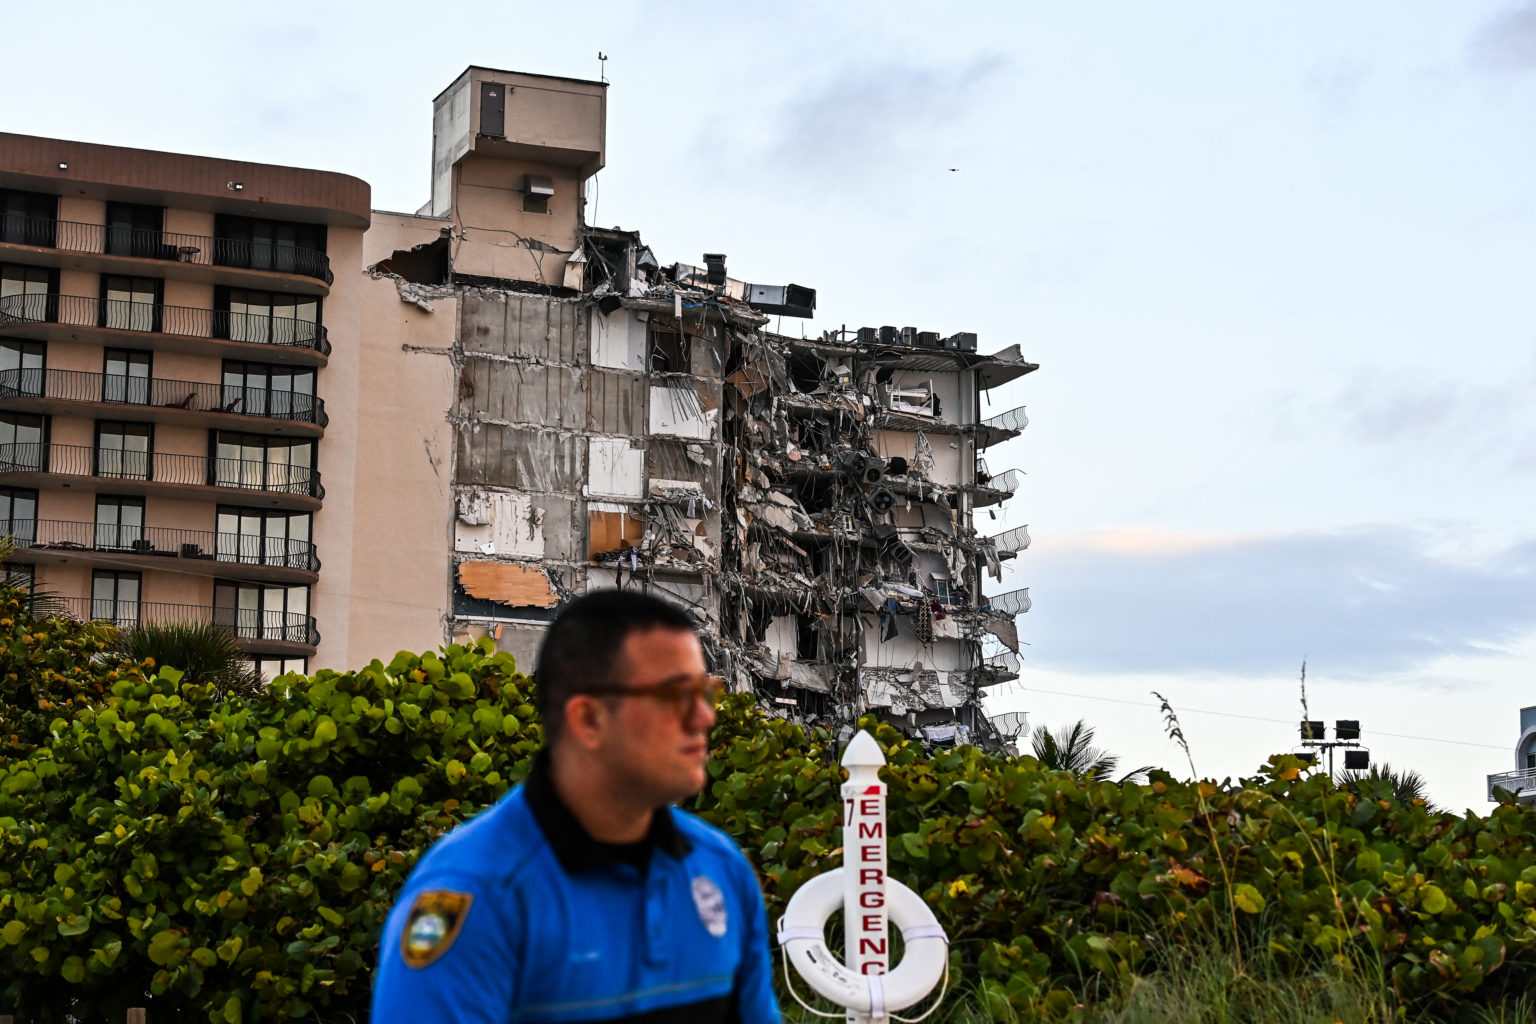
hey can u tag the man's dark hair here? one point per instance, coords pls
(582, 645)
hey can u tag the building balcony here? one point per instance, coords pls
(1015, 602)
(271, 484)
(172, 328)
(200, 552)
(1001, 427)
(994, 490)
(256, 630)
(74, 245)
(998, 668)
(1010, 542)
(103, 395)
(1522, 783)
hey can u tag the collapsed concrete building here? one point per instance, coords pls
(508, 406)
(620, 421)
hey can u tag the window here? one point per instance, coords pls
(21, 577)
(28, 218)
(258, 389)
(266, 318)
(21, 368)
(947, 593)
(122, 450)
(285, 246)
(120, 524)
(535, 204)
(18, 515)
(134, 230)
(258, 537)
(257, 611)
(131, 303)
(29, 293)
(807, 638)
(127, 377)
(271, 668)
(21, 442)
(115, 597)
(263, 463)
(669, 351)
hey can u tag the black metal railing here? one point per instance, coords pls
(158, 318)
(170, 246)
(116, 388)
(160, 541)
(243, 623)
(161, 468)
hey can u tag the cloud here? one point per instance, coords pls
(872, 109)
(1507, 41)
(865, 123)
(1485, 423)
(1365, 600)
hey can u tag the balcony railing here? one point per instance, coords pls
(243, 623)
(161, 468)
(1002, 487)
(1004, 663)
(1522, 782)
(170, 246)
(1011, 541)
(1015, 602)
(83, 386)
(158, 318)
(1001, 427)
(234, 548)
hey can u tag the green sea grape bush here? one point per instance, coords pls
(229, 858)
(232, 858)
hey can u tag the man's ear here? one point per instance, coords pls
(584, 718)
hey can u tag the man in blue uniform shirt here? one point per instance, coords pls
(584, 895)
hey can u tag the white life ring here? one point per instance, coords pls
(802, 935)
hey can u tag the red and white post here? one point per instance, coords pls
(864, 865)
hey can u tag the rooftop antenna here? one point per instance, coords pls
(602, 64)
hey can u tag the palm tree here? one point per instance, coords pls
(1383, 782)
(205, 653)
(1071, 749)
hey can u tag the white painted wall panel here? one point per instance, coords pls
(618, 341)
(615, 469)
(677, 412)
(507, 521)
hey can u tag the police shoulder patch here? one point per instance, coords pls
(709, 901)
(432, 925)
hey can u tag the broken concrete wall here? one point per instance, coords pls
(491, 522)
(616, 402)
(515, 324)
(519, 457)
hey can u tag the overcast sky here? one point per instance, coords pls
(1274, 261)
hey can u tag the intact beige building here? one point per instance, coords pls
(234, 392)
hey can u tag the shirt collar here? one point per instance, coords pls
(574, 847)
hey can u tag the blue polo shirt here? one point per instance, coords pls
(520, 917)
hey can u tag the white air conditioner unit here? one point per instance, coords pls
(538, 186)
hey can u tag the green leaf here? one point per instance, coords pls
(1432, 900)
(1247, 899)
(12, 931)
(164, 945)
(73, 970)
(325, 730)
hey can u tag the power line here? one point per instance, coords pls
(1257, 718)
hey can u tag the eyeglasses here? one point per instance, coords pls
(683, 695)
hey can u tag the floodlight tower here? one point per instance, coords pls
(1346, 734)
